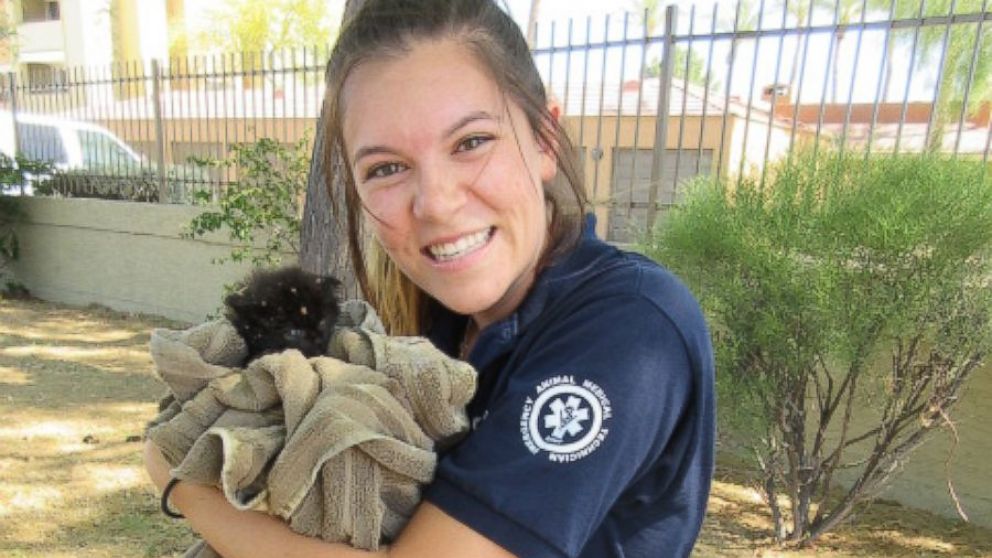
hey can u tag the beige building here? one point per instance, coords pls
(614, 129)
(889, 124)
(53, 37)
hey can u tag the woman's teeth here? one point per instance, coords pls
(461, 247)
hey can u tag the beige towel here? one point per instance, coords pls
(337, 446)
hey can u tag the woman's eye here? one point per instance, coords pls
(383, 170)
(472, 142)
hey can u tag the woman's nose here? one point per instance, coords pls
(439, 194)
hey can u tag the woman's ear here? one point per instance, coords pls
(554, 109)
(549, 158)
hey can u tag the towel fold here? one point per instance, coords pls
(338, 446)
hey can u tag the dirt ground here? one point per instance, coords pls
(76, 389)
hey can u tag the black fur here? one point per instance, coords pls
(285, 308)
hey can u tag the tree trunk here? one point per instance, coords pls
(323, 241)
(535, 6)
(833, 69)
(795, 437)
(889, 49)
(801, 19)
(942, 109)
(794, 74)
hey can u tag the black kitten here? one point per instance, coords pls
(286, 308)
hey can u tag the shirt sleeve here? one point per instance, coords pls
(584, 413)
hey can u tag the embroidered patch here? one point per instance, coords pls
(566, 419)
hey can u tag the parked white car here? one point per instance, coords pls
(66, 145)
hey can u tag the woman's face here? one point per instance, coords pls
(450, 176)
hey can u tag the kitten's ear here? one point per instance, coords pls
(234, 308)
(235, 300)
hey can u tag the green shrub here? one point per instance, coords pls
(10, 248)
(266, 199)
(849, 303)
(82, 183)
(129, 184)
(14, 174)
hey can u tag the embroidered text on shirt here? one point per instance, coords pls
(566, 419)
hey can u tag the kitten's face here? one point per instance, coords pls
(286, 309)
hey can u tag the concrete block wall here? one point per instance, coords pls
(127, 256)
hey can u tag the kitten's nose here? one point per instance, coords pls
(293, 335)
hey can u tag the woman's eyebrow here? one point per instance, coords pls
(371, 150)
(468, 119)
(459, 124)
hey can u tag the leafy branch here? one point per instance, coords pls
(265, 202)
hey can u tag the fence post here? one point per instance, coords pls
(661, 119)
(159, 132)
(12, 92)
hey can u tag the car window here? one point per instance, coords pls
(101, 151)
(41, 142)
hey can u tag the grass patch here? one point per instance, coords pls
(75, 384)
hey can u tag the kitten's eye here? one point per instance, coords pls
(472, 142)
(383, 170)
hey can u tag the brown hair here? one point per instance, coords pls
(391, 28)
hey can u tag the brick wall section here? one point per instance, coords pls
(860, 112)
(888, 113)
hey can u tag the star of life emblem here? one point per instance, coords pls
(565, 419)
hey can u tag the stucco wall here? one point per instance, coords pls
(922, 482)
(127, 256)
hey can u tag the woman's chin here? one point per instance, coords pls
(468, 306)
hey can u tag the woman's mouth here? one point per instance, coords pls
(447, 251)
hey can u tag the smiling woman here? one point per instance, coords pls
(450, 178)
(592, 425)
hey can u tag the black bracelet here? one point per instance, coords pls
(165, 499)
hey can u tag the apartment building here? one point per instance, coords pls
(50, 36)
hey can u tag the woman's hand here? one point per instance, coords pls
(156, 465)
(234, 533)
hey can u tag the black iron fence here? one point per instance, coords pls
(731, 89)
(727, 89)
(149, 122)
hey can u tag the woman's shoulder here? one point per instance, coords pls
(613, 277)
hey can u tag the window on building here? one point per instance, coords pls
(42, 78)
(39, 10)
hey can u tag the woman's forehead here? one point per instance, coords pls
(433, 83)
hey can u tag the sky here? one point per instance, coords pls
(816, 83)
(594, 13)
(520, 9)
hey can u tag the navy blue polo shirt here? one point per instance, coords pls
(593, 424)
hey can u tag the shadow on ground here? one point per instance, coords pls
(738, 524)
(75, 384)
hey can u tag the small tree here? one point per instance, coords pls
(14, 175)
(266, 199)
(10, 211)
(849, 301)
(256, 29)
(257, 25)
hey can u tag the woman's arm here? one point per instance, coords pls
(242, 534)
